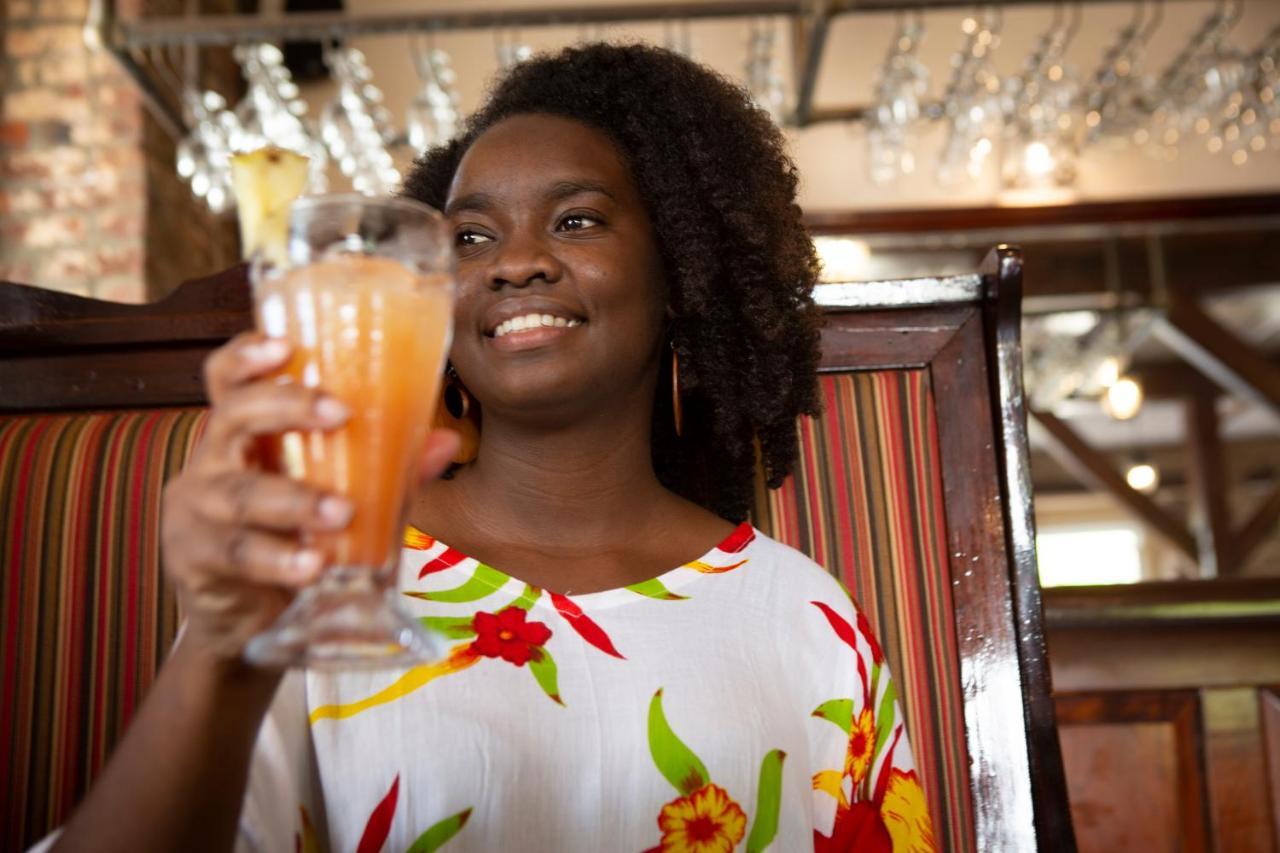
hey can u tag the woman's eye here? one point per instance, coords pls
(469, 237)
(578, 221)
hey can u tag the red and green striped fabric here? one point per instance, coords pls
(866, 502)
(87, 614)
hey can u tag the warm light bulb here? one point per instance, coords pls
(1123, 399)
(1143, 476)
(1038, 160)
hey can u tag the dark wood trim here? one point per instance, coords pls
(1207, 473)
(1204, 603)
(1269, 719)
(978, 562)
(1002, 274)
(1085, 213)
(891, 339)
(1093, 469)
(33, 319)
(1181, 708)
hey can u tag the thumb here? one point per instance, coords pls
(441, 446)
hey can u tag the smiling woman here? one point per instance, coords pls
(634, 667)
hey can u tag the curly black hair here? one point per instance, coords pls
(720, 191)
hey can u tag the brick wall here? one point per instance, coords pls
(89, 201)
(72, 194)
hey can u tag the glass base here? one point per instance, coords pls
(346, 621)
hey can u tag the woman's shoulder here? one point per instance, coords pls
(794, 577)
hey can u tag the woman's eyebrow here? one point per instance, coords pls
(482, 202)
(479, 202)
(564, 189)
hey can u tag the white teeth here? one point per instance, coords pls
(532, 321)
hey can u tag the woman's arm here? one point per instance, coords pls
(178, 778)
(233, 548)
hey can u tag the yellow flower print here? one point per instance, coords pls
(862, 747)
(906, 815)
(706, 821)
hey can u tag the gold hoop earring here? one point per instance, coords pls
(676, 410)
(455, 412)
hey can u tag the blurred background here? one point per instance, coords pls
(1131, 148)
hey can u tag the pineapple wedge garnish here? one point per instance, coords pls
(266, 182)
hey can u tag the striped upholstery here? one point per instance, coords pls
(866, 502)
(87, 615)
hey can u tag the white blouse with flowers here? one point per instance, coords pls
(738, 702)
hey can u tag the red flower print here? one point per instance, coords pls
(507, 635)
(858, 827)
(706, 821)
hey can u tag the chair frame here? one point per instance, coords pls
(966, 331)
(61, 352)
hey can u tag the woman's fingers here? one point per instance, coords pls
(254, 557)
(282, 504)
(267, 409)
(441, 446)
(247, 356)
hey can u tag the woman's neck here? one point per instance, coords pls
(573, 491)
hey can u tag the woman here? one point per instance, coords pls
(634, 333)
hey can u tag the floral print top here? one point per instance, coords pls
(738, 702)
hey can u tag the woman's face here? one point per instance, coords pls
(561, 298)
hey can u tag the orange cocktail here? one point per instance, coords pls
(373, 334)
(362, 289)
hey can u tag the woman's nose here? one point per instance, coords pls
(522, 260)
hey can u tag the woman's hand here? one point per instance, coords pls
(231, 533)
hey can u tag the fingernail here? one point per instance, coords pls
(331, 410)
(307, 562)
(335, 512)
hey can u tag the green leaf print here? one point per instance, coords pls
(483, 583)
(684, 770)
(838, 711)
(543, 667)
(768, 802)
(453, 627)
(436, 837)
(527, 598)
(884, 716)
(653, 588)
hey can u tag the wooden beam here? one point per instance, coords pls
(810, 39)
(1173, 380)
(1088, 213)
(1092, 468)
(1210, 514)
(1218, 353)
(1257, 528)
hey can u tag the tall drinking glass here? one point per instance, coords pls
(365, 300)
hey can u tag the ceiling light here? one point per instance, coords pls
(1143, 476)
(1123, 399)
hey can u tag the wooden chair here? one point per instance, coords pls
(913, 490)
